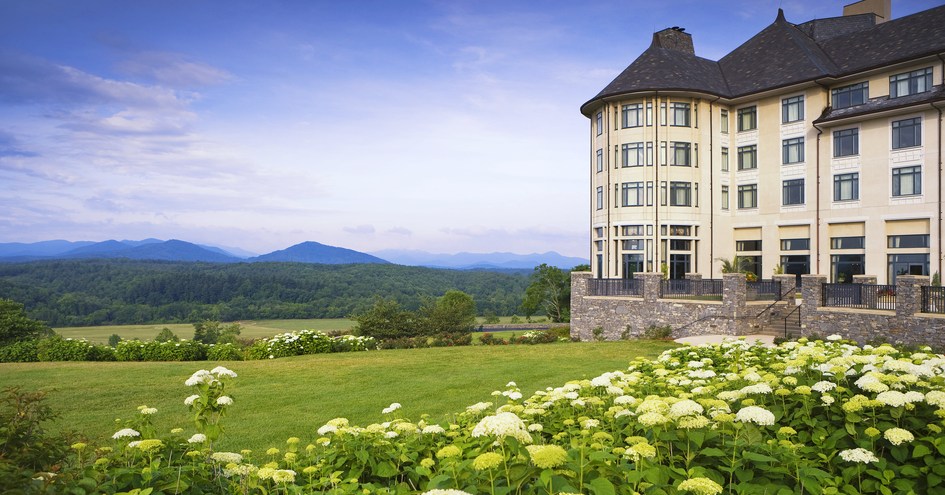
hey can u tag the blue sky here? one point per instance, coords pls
(445, 126)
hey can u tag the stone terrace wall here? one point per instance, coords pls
(906, 325)
(621, 317)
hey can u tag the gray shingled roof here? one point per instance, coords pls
(783, 54)
(883, 103)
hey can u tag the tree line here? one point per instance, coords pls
(100, 292)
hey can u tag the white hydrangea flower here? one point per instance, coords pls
(224, 400)
(686, 407)
(199, 376)
(897, 436)
(834, 337)
(391, 408)
(126, 433)
(861, 456)
(190, 400)
(823, 386)
(197, 438)
(755, 414)
(227, 457)
(221, 371)
(892, 398)
(504, 424)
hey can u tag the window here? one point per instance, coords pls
(844, 266)
(856, 242)
(724, 197)
(852, 95)
(600, 123)
(795, 244)
(792, 109)
(907, 133)
(748, 157)
(792, 150)
(630, 230)
(723, 123)
(724, 159)
(633, 115)
(748, 245)
(632, 154)
(846, 187)
(907, 181)
(907, 264)
(681, 154)
(846, 142)
(747, 119)
(907, 241)
(910, 83)
(599, 231)
(680, 245)
(747, 196)
(793, 192)
(632, 194)
(600, 197)
(680, 230)
(680, 114)
(632, 245)
(680, 194)
(600, 160)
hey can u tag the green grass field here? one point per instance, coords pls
(251, 329)
(280, 398)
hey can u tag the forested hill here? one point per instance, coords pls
(98, 292)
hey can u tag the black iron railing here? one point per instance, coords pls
(860, 296)
(710, 289)
(763, 290)
(933, 300)
(615, 287)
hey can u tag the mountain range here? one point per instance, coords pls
(305, 252)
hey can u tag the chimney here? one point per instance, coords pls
(882, 9)
(674, 38)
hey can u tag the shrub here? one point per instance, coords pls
(224, 352)
(290, 344)
(405, 343)
(166, 335)
(490, 339)
(351, 343)
(27, 452)
(114, 339)
(536, 337)
(561, 332)
(21, 351)
(451, 339)
(490, 318)
(59, 349)
(185, 350)
(658, 332)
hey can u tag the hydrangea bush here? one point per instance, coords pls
(823, 417)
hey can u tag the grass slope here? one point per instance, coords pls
(292, 397)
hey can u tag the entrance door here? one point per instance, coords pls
(678, 266)
(632, 263)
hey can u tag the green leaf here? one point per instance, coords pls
(601, 486)
(920, 450)
(712, 452)
(754, 456)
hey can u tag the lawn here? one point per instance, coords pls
(251, 329)
(277, 399)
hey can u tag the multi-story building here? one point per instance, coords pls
(816, 147)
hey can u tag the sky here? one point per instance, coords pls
(444, 126)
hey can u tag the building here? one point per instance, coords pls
(813, 147)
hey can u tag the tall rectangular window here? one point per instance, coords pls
(680, 194)
(910, 83)
(747, 196)
(724, 159)
(681, 155)
(792, 150)
(907, 133)
(632, 194)
(600, 160)
(846, 142)
(846, 187)
(792, 109)
(724, 197)
(792, 192)
(632, 154)
(632, 115)
(852, 95)
(907, 181)
(748, 157)
(679, 113)
(723, 122)
(600, 123)
(747, 118)
(600, 197)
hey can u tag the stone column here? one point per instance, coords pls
(734, 294)
(811, 293)
(909, 294)
(651, 286)
(788, 282)
(696, 279)
(580, 320)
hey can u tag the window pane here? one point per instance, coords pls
(907, 133)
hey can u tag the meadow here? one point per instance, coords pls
(250, 329)
(277, 399)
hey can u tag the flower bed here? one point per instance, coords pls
(803, 417)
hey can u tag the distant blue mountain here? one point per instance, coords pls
(43, 248)
(314, 252)
(172, 250)
(480, 261)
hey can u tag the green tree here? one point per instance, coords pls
(114, 339)
(550, 290)
(386, 319)
(454, 311)
(207, 331)
(15, 325)
(166, 335)
(229, 334)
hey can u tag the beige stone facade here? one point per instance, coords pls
(838, 172)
